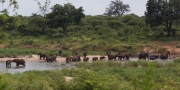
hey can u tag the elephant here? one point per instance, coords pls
(123, 55)
(51, 58)
(19, 62)
(41, 55)
(76, 58)
(110, 56)
(85, 53)
(143, 55)
(94, 58)
(165, 55)
(54, 58)
(85, 59)
(48, 59)
(8, 63)
(69, 59)
(59, 51)
(153, 56)
(102, 57)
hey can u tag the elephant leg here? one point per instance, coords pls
(127, 58)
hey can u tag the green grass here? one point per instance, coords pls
(102, 75)
(14, 52)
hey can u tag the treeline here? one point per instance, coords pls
(126, 28)
(91, 33)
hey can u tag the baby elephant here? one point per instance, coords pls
(8, 63)
(19, 62)
(69, 59)
(102, 57)
(85, 59)
(153, 56)
(94, 58)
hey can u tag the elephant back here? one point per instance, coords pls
(165, 53)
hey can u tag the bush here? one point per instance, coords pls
(66, 54)
(176, 60)
(178, 46)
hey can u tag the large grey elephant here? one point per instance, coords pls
(8, 63)
(76, 58)
(110, 56)
(85, 59)
(143, 55)
(19, 62)
(165, 55)
(85, 53)
(153, 56)
(42, 55)
(51, 58)
(123, 55)
(69, 59)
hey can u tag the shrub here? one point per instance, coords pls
(176, 60)
(66, 54)
(178, 46)
(132, 64)
(143, 63)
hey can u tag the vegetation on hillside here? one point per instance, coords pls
(95, 33)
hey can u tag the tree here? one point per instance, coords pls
(4, 14)
(63, 16)
(44, 9)
(39, 21)
(162, 12)
(117, 8)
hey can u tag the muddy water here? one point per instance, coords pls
(33, 65)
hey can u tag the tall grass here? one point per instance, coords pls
(106, 75)
(14, 52)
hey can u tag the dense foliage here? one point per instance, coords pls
(128, 32)
(117, 8)
(163, 12)
(94, 33)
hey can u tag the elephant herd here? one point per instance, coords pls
(121, 56)
(85, 58)
(17, 61)
(48, 58)
(163, 56)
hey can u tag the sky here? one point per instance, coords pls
(91, 7)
